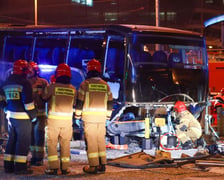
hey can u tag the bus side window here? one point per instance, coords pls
(41, 56)
(56, 55)
(160, 57)
(115, 64)
(73, 58)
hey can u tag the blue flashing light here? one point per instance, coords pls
(47, 68)
(214, 20)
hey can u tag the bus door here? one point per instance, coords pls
(113, 70)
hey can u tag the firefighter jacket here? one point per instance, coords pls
(38, 85)
(61, 100)
(18, 95)
(188, 120)
(94, 98)
(189, 127)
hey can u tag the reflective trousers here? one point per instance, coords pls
(62, 134)
(18, 144)
(96, 145)
(38, 139)
(192, 134)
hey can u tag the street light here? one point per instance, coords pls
(35, 12)
(157, 12)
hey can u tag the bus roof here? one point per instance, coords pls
(116, 28)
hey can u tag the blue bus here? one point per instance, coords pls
(148, 68)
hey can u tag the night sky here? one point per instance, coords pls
(180, 14)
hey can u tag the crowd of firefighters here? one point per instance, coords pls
(31, 125)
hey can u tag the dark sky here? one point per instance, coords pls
(105, 11)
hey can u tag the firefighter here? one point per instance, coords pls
(38, 127)
(188, 129)
(61, 98)
(94, 105)
(20, 111)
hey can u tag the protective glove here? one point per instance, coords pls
(78, 123)
(34, 120)
(107, 122)
(183, 128)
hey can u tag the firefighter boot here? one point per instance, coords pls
(101, 168)
(90, 169)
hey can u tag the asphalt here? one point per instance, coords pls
(79, 159)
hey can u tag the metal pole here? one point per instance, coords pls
(157, 12)
(35, 12)
(222, 34)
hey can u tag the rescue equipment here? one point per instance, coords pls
(117, 146)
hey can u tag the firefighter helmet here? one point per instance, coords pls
(20, 67)
(34, 66)
(180, 106)
(63, 70)
(94, 65)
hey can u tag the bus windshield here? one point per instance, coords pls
(159, 67)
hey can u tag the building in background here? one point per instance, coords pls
(181, 14)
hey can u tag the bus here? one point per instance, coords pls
(148, 69)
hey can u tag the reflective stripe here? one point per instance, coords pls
(93, 155)
(97, 88)
(8, 157)
(17, 115)
(78, 112)
(95, 109)
(102, 153)
(60, 115)
(65, 159)
(87, 100)
(13, 87)
(29, 106)
(82, 92)
(21, 159)
(53, 103)
(52, 158)
(64, 91)
(94, 113)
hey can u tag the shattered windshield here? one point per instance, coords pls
(159, 67)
